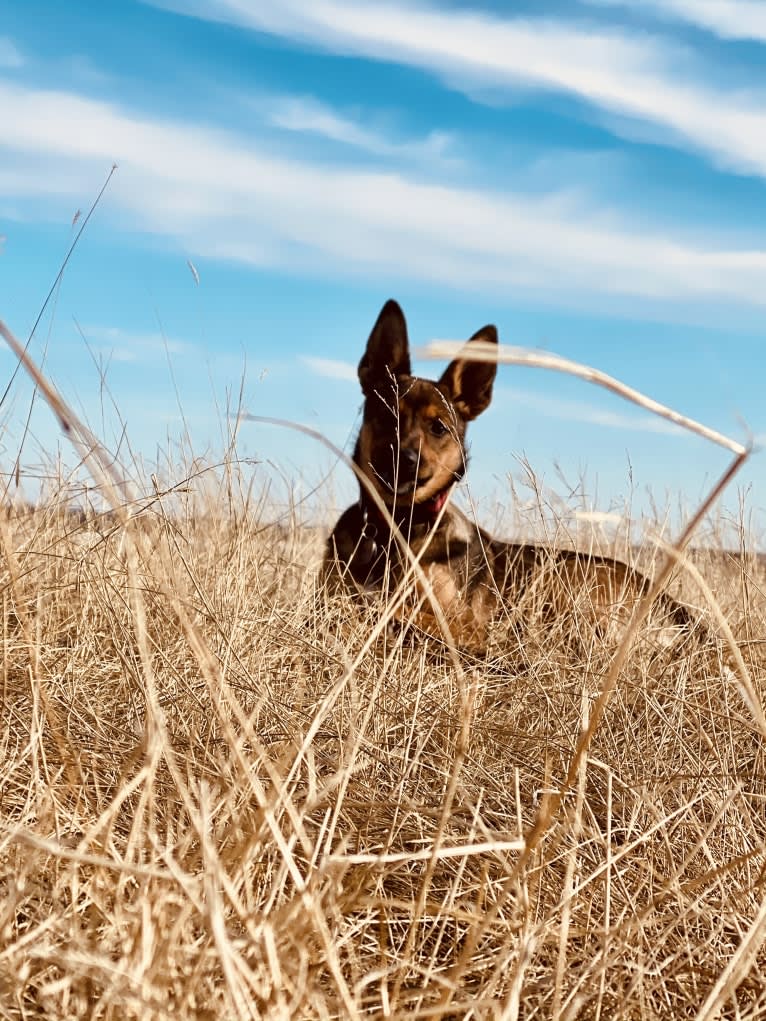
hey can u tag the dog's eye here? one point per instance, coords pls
(438, 428)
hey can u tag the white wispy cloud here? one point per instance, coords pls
(728, 19)
(626, 75)
(223, 196)
(131, 345)
(331, 368)
(308, 115)
(10, 56)
(585, 412)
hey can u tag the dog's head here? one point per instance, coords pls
(412, 441)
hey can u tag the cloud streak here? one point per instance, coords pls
(728, 19)
(221, 196)
(307, 115)
(529, 400)
(132, 346)
(331, 368)
(10, 56)
(621, 74)
(586, 413)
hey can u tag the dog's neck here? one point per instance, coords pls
(406, 515)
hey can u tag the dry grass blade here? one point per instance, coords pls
(737, 968)
(508, 355)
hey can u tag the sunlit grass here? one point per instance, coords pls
(227, 795)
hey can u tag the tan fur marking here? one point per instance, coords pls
(443, 475)
(433, 411)
(467, 621)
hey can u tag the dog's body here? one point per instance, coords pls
(411, 452)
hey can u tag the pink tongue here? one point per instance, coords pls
(438, 501)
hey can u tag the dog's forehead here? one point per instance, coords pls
(416, 394)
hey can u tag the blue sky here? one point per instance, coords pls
(589, 176)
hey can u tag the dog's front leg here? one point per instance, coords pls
(467, 616)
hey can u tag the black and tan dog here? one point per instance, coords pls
(411, 450)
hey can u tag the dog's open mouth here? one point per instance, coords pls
(410, 488)
(401, 488)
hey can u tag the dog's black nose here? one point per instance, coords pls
(408, 461)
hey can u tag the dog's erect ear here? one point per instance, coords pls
(470, 383)
(388, 350)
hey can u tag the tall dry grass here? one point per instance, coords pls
(225, 794)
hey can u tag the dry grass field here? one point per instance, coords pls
(225, 795)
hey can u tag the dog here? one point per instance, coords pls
(411, 452)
